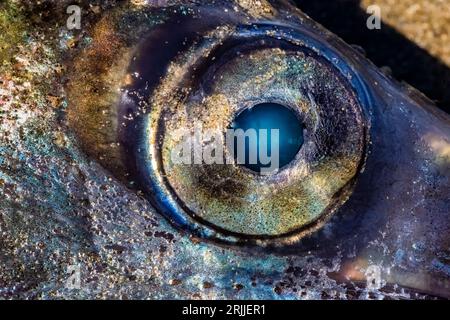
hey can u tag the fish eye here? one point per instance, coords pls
(235, 76)
(238, 140)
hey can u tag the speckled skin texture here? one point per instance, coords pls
(66, 198)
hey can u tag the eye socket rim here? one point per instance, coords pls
(188, 221)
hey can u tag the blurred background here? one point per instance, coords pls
(414, 39)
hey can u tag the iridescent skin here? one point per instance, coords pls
(60, 207)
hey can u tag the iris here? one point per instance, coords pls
(268, 116)
(242, 82)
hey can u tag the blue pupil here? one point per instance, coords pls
(270, 116)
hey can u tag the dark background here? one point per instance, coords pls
(385, 47)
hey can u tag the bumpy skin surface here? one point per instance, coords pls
(65, 202)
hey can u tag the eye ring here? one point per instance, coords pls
(158, 187)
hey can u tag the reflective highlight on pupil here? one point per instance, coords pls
(268, 116)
